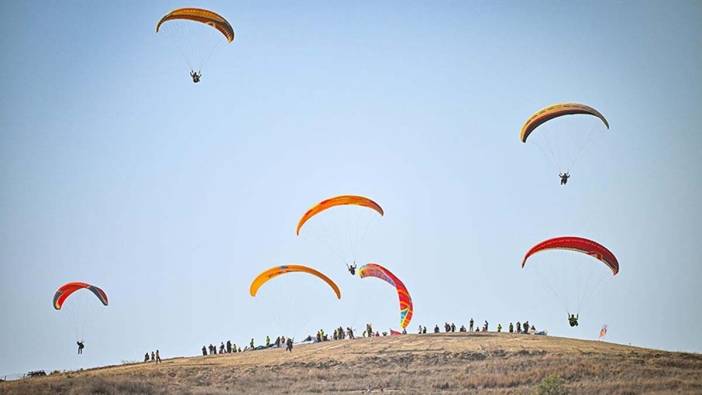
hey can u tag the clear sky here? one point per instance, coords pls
(117, 170)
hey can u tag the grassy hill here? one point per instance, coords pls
(449, 363)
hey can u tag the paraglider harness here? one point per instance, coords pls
(573, 320)
(564, 177)
(352, 268)
(81, 346)
(195, 76)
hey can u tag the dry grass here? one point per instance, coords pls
(447, 363)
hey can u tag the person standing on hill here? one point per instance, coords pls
(153, 357)
(289, 345)
(436, 328)
(519, 327)
(251, 343)
(470, 325)
(204, 352)
(499, 328)
(146, 357)
(229, 346)
(511, 328)
(158, 357)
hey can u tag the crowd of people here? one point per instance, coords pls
(341, 334)
(524, 328)
(230, 347)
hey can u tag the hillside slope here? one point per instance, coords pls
(448, 363)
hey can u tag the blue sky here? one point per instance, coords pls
(117, 170)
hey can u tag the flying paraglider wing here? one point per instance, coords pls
(203, 16)
(577, 244)
(377, 271)
(555, 111)
(68, 289)
(278, 270)
(341, 200)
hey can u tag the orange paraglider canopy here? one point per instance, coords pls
(554, 111)
(203, 16)
(278, 270)
(341, 200)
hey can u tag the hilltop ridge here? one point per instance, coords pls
(448, 362)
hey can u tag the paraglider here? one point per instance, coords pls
(341, 223)
(276, 271)
(378, 271)
(564, 145)
(199, 52)
(583, 246)
(68, 289)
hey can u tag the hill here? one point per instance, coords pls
(449, 363)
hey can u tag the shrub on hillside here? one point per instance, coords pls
(551, 385)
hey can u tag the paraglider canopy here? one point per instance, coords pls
(207, 17)
(68, 289)
(341, 200)
(578, 244)
(378, 271)
(276, 271)
(554, 111)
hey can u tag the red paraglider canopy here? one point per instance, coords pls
(579, 244)
(67, 289)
